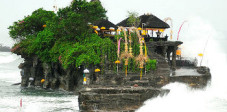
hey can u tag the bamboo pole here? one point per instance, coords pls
(126, 49)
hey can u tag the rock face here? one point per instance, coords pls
(204, 70)
(55, 76)
(196, 77)
(120, 93)
(193, 81)
(124, 98)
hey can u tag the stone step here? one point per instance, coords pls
(162, 64)
(138, 82)
(163, 73)
(137, 78)
(163, 68)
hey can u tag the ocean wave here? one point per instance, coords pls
(7, 57)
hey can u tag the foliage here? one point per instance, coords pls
(86, 52)
(151, 64)
(42, 44)
(132, 66)
(66, 37)
(133, 19)
(75, 19)
(30, 25)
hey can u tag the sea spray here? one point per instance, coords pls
(181, 97)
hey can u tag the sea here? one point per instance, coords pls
(13, 98)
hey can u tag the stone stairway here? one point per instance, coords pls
(160, 75)
(163, 70)
(132, 80)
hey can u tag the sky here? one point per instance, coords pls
(205, 17)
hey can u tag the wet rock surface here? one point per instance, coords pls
(55, 77)
(126, 98)
(191, 76)
(203, 70)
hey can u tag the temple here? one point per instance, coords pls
(111, 67)
(127, 90)
(152, 29)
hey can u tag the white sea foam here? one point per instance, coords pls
(181, 98)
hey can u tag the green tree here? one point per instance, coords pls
(30, 26)
(67, 37)
(133, 19)
(75, 19)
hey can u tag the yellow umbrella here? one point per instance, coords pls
(103, 28)
(42, 81)
(178, 52)
(200, 54)
(97, 70)
(95, 27)
(161, 30)
(117, 62)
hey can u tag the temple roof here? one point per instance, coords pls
(105, 23)
(150, 21)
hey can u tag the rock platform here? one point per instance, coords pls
(126, 98)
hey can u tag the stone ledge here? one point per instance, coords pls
(116, 98)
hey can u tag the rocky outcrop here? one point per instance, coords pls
(118, 92)
(198, 77)
(33, 71)
(124, 98)
(108, 90)
(203, 70)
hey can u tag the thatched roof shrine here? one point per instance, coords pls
(105, 23)
(148, 21)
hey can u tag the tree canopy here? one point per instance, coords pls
(65, 37)
(133, 19)
(30, 26)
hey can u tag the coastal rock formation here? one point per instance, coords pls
(204, 70)
(33, 71)
(124, 98)
(108, 90)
